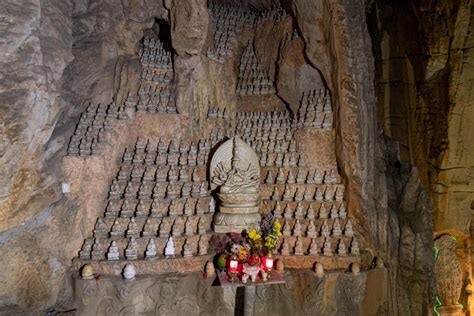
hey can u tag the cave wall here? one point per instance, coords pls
(423, 57)
(84, 52)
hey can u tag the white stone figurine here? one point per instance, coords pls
(348, 229)
(313, 248)
(319, 269)
(336, 228)
(355, 247)
(150, 253)
(129, 272)
(203, 246)
(341, 248)
(299, 247)
(169, 250)
(131, 252)
(187, 251)
(113, 253)
(327, 251)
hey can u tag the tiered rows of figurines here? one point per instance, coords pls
(159, 204)
(90, 131)
(156, 93)
(309, 202)
(227, 19)
(253, 79)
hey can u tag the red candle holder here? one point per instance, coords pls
(232, 269)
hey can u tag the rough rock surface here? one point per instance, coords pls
(60, 55)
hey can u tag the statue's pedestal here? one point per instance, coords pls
(236, 219)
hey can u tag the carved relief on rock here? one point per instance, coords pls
(448, 275)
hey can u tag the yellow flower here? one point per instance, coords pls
(254, 235)
(277, 225)
(279, 233)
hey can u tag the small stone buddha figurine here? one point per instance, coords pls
(202, 226)
(319, 269)
(187, 251)
(313, 247)
(339, 193)
(287, 196)
(196, 190)
(329, 194)
(171, 191)
(280, 176)
(176, 231)
(301, 176)
(294, 162)
(149, 229)
(97, 253)
(172, 209)
(355, 268)
(285, 248)
(183, 175)
(132, 229)
(299, 194)
(299, 214)
(116, 229)
(155, 209)
(85, 252)
(276, 194)
(277, 210)
(270, 179)
(203, 191)
(111, 211)
(318, 195)
(317, 178)
(188, 228)
(334, 213)
(341, 248)
(288, 213)
(299, 247)
(212, 205)
(325, 229)
(354, 247)
(291, 178)
(141, 209)
(323, 214)
(286, 229)
(125, 210)
(129, 272)
(342, 211)
(348, 229)
(131, 252)
(113, 253)
(308, 194)
(327, 251)
(172, 174)
(115, 191)
(188, 208)
(310, 212)
(195, 175)
(169, 250)
(127, 156)
(164, 229)
(100, 229)
(203, 246)
(123, 174)
(336, 228)
(150, 252)
(186, 189)
(311, 230)
(297, 228)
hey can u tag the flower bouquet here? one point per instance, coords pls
(246, 254)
